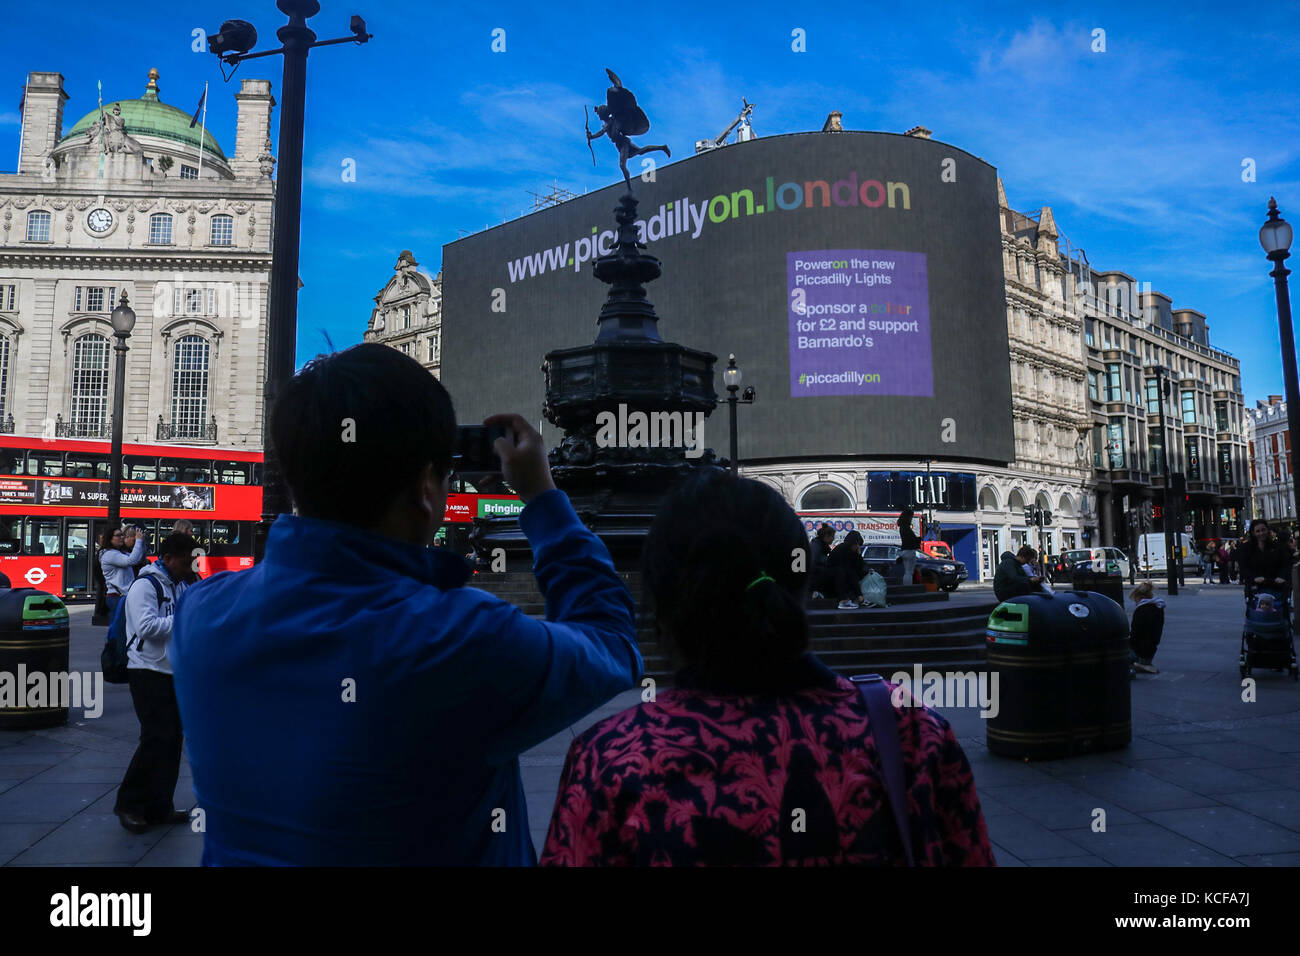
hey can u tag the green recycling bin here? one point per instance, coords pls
(34, 678)
(1063, 675)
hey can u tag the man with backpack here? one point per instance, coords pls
(144, 799)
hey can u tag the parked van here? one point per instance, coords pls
(1151, 552)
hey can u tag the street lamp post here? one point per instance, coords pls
(731, 376)
(1275, 236)
(231, 45)
(1171, 552)
(123, 321)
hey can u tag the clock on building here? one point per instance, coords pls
(99, 220)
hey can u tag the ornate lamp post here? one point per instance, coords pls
(231, 45)
(732, 377)
(1275, 236)
(123, 321)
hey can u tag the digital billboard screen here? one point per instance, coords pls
(857, 277)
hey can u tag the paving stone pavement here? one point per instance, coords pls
(1209, 780)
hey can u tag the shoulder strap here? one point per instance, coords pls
(158, 590)
(880, 711)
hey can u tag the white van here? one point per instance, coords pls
(1151, 552)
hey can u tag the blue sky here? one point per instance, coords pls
(1138, 150)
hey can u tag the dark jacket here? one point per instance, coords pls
(1148, 626)
(1011, 579)
(909, 538)
(847, 558)
(1266, 563)
(349, 700)
(821, 554)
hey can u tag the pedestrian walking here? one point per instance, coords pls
(911, 543)
(1209, 555)
(347, 700)
(1264, 563)
(759, 755)
(119, 552)
(1225, 559)
(144, 799)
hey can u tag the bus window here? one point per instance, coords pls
(225, 539)
(232, 473)
(42, 536)
(11, 533)
(48, 465)
(169, 469)
(140, 469)
(85, 468)
(197, 473)
(11, 461)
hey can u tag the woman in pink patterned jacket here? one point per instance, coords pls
(760, 755)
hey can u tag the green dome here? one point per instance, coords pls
(150, 116)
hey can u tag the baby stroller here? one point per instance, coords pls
(1266, 638)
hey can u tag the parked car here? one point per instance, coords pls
(887, 558)
(1066, 562)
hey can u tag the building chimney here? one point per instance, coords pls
(42, 120)
(920, 132)
(252, 129)
(1275, 399)
(833, 124)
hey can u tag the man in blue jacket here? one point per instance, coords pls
(348, 700)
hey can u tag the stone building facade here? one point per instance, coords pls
(1271, 477)
(133, 200)
(408, 314)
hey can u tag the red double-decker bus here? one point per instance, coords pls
(54, 505)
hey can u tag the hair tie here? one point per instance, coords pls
(762, 576)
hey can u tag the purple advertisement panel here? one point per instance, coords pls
(859, 323)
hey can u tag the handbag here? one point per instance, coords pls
(880, 710)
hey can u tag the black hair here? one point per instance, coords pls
(1259, 521)
(354, 429)
(1028, 553)
(853, 539)
(176, 544)
(823, 528)
(725, 571)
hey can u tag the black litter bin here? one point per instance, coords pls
(1063, 675)
(1109, 582)
(33, 641)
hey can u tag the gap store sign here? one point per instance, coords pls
(940, 490)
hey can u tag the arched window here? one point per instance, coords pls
(989, 500)
(223, 230)
(38, 226)
(160, 228)
(1016, 502)
(190, 387)
(825, 496)
(1066, 506)
(1043, 501)
(89, 386)
(4, 377)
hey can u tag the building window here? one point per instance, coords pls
(223, 230)
(89, 385)
(1113, 383)
(1153, 396)
(1092, 385)
(160, 228)
(8, 298)
(406, 316)
(1115, 444)
(94, 298)
(825, 496)
(190, 386)
(1225, 466)
(1192, 447)
(432, 345)
(1221, 416)
(189, 172)
(191, 301)
(1156, 444)
(1088, 332)
(1189, 408)
(38, 227)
